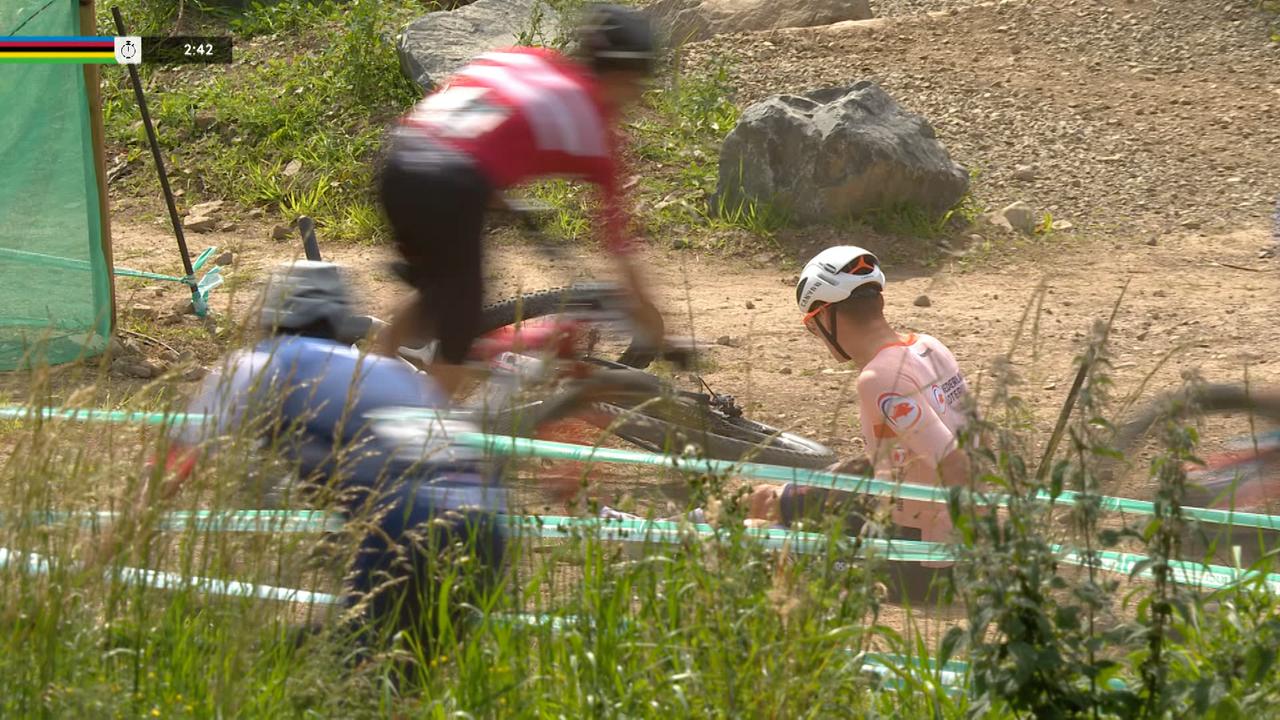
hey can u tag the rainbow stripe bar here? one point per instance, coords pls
(58, 49)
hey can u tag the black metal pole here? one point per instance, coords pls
(310, 245)
(155, 153)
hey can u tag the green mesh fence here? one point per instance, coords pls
(54, 292)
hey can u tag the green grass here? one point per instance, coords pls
(695, 629)
(318, 98)
(295, 125)
(677, 142)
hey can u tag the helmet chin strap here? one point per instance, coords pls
(830, 335)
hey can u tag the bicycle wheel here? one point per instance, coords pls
(1206, 400)
(1239, 453)
(670, 424)
(621, 348)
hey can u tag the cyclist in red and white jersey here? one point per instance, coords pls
(913, 398)
(509, 117)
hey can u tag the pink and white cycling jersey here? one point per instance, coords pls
(913, 401)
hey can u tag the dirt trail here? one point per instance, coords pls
(1149, 125)
(1183, 291)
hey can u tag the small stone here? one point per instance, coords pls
(199, 223)
(1061, 225)
(281, 232)
(681, 243)
(225, 259)
(257, 213)
(194, 374)
(181, 307)
(728, 341)
(999, 221)
(169, 355)
(141, 312)
(1152, 241)
(923, 301)
(1191, 224)
(292, 168)
(1143, 335)
(1021, 217)
(750, 305)
(1024, 172)
(785, 371)
(135, 368)
(1159, 294)
(205, 119)
(206, 208)
(1051, 386)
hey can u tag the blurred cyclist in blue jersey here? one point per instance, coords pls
(324, 407)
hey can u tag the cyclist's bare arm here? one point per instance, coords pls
(953, 470)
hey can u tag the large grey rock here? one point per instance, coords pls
(834, 153)
(434, 46)
(693, 20)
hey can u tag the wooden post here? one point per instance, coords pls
(93, 92)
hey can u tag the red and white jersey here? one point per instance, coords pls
(913, 402)
(528, 113)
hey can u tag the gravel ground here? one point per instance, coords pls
(1133, 118)
(895, 8)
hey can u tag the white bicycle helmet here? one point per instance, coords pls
(834, 274)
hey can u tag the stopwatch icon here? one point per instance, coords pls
(128, 50)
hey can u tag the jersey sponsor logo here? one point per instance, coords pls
(954, 388)
(899, 411)
(898, 457)
(939, 398)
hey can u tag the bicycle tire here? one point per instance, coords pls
(533, 305)
(1205, 399)
(673, 423)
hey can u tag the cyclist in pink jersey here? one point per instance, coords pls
(511, 116)
(913, 398)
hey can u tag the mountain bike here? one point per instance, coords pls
(539, 347)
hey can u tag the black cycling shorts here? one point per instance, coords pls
(813, 504)
(436, 199)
